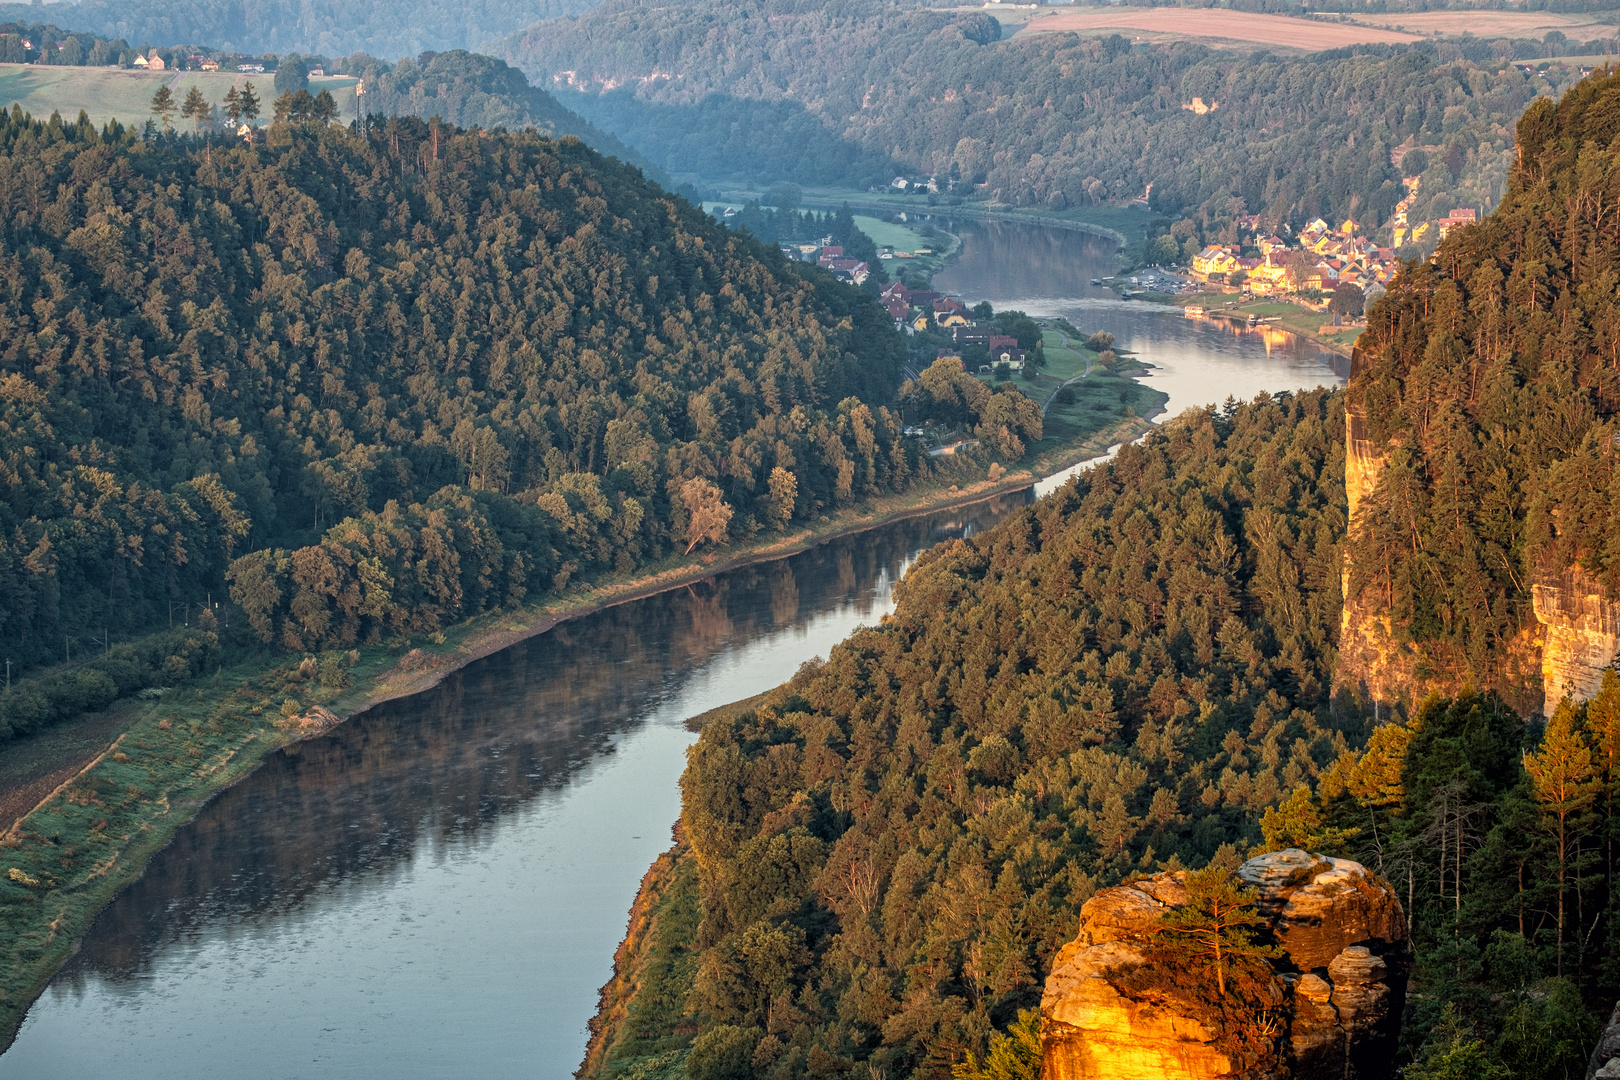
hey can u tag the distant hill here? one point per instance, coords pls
(852, 92)
(329, 27)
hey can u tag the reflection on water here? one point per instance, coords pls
(1197, 362)
(436, 888)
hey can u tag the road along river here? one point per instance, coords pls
(436, 888)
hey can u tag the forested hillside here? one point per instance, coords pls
(851, 92)
(1489, 380)
(328, 27)
(470, 90)
(1130, 670)
(879, 862)
(379, 382)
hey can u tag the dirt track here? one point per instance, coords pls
(1275, 30)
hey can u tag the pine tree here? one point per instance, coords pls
(1563, 776)
(233, 106)
(196, 107)
(250, 103)
(163, 105)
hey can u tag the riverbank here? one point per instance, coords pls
(1303, 322)
(93, 830)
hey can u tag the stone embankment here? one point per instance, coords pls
(1342, 978)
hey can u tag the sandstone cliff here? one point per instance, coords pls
(1342, 979)
(1575, 633)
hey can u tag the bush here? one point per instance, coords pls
(724, 1052)
(1065, 395)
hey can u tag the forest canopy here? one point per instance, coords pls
(375, 381)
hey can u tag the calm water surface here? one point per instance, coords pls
(1197, 362)
(436, 888)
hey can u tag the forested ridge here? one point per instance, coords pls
(1489, 379)
(469, 90)
(851, 93)
(329, 27)
(375, 381)
(890, 851)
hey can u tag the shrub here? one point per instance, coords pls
(724, 1052)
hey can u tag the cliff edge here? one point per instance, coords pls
(1341, 978)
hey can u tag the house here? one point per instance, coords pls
(317, 73)
(900, 183)
(155, 62)
(921, 321)
(258, 69)
(1214, 259)
(1001, 343)
(973, 335)
(139, 61)
(209, 65)
(1012, 356)
(1268, 278)
(950, 312)
(898, 311)
(1455, 219)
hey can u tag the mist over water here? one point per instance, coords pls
(436, 888)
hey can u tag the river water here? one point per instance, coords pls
(436, 888)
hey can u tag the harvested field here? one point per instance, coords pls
(1487, 24)
(1278, 31)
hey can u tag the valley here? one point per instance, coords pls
(1008, 542)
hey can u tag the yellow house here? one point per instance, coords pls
(1268, 278)
(920, 322)
(1213, 260)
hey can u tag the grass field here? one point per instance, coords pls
(1278, 31)
(1485, 24)
(108, 93)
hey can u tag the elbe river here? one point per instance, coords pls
(436, 888)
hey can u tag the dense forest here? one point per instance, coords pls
(469, 90)
(330, 27)
(1133, 669)
(378, 380)
(880, 860)
(853, 93)
(1491, 375)
(26, 42)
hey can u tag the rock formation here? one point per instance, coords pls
(1580, 631)
(1575, 634)
(1343, 978)
(1605, 1063)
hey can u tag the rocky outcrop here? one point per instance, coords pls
(1605, 1064)
(1580, 634)
(1575, 633)
(1342, 977)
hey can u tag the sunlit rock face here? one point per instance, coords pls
(1343, 977)
(1580, 634)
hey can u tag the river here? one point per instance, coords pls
(436, 888)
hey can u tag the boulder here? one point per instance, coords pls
(1342, 974)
